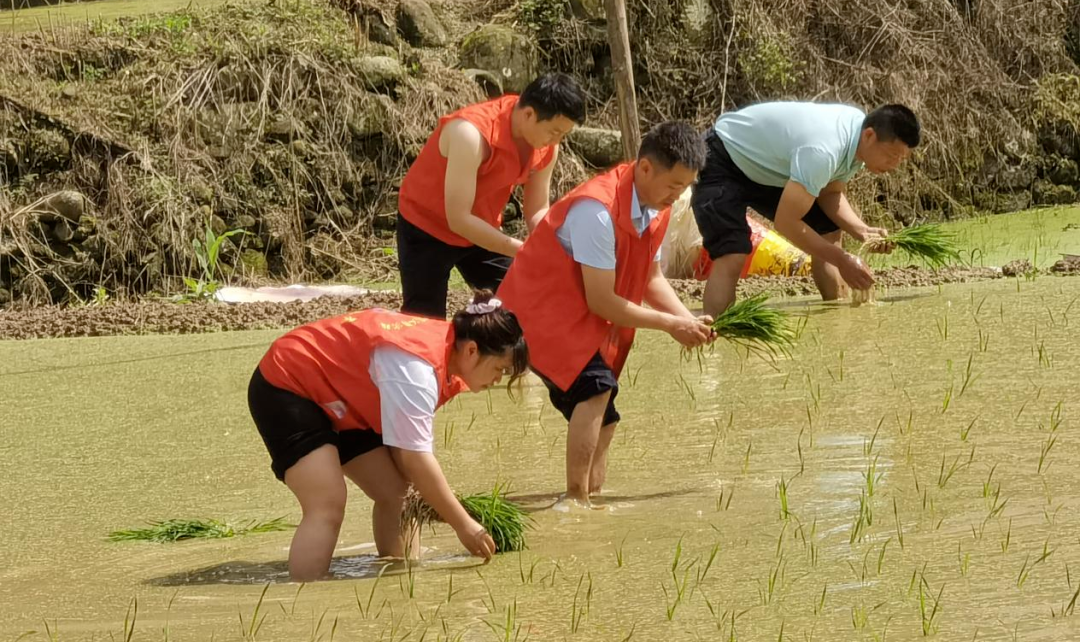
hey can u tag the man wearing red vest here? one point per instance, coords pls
(452, 200)
(578, 284)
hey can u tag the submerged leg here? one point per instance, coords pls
(318, 484)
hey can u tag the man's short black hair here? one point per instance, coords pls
(554, 95)
(674, 143)
(892, 122)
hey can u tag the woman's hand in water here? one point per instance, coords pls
(476, 540)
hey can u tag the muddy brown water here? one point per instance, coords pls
(107, 433)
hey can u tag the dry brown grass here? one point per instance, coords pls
(195, 99)
(971, 75)
(266, 116)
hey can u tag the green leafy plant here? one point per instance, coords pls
(208, 254)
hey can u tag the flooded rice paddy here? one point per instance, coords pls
(908, 471)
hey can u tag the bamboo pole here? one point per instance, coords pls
(619, 40)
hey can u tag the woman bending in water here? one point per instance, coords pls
(355, 396)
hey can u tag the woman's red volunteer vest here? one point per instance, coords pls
(544, 286)
(327, 362)
(422, 199)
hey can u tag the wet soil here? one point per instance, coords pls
(888, 278)
(166, 317)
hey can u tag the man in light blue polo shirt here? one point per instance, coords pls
(791, 163)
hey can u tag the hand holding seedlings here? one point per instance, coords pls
(690, 332)
(876, 241)
(495, 524)
(928, 243)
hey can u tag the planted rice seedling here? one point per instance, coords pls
(712, 557)
(968, 378)
(1044, 451)
(1071, 606)
(964, 432)
(989, 480)
(872, 477)
(503, 520)
(781, 489)
(868, 446)
(945, 474)
(751, 324)
(365, 609)
(773, 582)
(723, 501)
(251, 630)
(943, 325)
(929, 607)
(721, 433)
(819, 604)
(579, 613)
(963, 559)
(996, 506)
(507, 628)
(619, 559)
(174, 530)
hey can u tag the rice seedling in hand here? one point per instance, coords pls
(503, 520)
(928, 243)
(174, 530)
(752, 324)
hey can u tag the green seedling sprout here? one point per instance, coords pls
(781, 489)
(964, 432)
(927, 612)
(251, 630)
(619, 559)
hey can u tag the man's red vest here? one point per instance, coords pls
(544, 286)
(422, 199)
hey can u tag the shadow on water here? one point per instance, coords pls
(913, 296)
(824, 307)
(347, 567)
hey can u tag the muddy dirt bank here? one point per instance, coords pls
(165, 317)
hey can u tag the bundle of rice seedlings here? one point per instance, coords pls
(750, 323)
(929, 243)
(503, 520)
(174, 530)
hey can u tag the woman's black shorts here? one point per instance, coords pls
(292, 427)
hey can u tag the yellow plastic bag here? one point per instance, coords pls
(774, 255)
(683, 256)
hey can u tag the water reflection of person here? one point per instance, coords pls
(355, 396)
(791, 162)
(578, 284)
